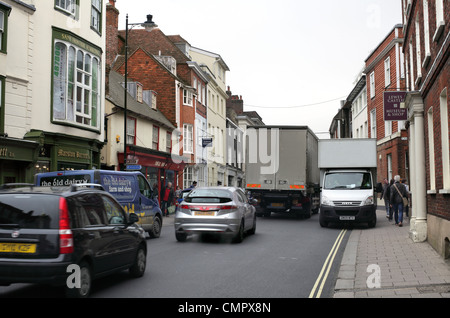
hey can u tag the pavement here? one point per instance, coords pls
(383, 262)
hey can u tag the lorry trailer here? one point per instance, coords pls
(281, 169)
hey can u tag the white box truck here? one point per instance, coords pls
(348, 188)
(281, 169)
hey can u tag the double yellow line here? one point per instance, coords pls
(326, 267)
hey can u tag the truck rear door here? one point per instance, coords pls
(291, 174)
(262, 164)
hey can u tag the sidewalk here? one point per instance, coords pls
(407, 269)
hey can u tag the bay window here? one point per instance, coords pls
(76, 86)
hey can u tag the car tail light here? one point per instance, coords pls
(65, 233)
(228, 207)
(208, 207)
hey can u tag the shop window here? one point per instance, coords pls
(42, 166)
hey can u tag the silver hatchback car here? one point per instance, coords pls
(224, 210)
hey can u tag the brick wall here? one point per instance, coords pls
(435, 78)
(144, 69)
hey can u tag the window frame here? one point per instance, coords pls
(168, 142)
(131, 130)
(65, 77)
(188, 138)
(99, 11)
(372, 84)
(387, 71)
(74, 13)
(373, 123)
(155, 137)
(188, 97)
(4, 29)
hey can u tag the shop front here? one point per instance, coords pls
(17, 158)
(63, 152)
(159, 167)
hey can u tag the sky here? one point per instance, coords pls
(292, 61)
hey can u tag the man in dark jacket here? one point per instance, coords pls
(397, 192)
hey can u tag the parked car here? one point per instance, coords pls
(44, 230)
(224, 210)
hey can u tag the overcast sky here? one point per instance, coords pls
(291, 60)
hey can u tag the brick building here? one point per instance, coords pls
(426, 26)
(385, 72)
(155, 104)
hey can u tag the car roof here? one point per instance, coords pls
(232, 189)
(32, 189)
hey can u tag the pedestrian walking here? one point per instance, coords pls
(167, 198)
(178, 192)
(406, 208)
(398, 192)
(385, 196)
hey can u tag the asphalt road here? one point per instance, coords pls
(284, 259)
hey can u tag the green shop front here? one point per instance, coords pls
(17, 158)
(64, 152)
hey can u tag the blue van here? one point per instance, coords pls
(130, 188)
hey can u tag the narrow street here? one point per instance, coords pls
(282, 260)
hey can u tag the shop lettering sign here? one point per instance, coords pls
(5, 153)
(73, 154)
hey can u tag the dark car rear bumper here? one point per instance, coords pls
(29, 271)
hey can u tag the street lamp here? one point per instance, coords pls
(148, 25)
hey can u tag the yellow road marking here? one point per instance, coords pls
(327, 266)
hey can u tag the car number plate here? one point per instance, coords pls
(278, 205)
(17, 248)
(204, 213)
(347, 218)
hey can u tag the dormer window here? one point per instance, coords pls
(149, 98)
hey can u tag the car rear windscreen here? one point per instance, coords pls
(28, 211)
(209, 196)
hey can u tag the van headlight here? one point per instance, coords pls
(368, 201)
(326, 201)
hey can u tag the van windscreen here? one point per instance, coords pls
(348, 180)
